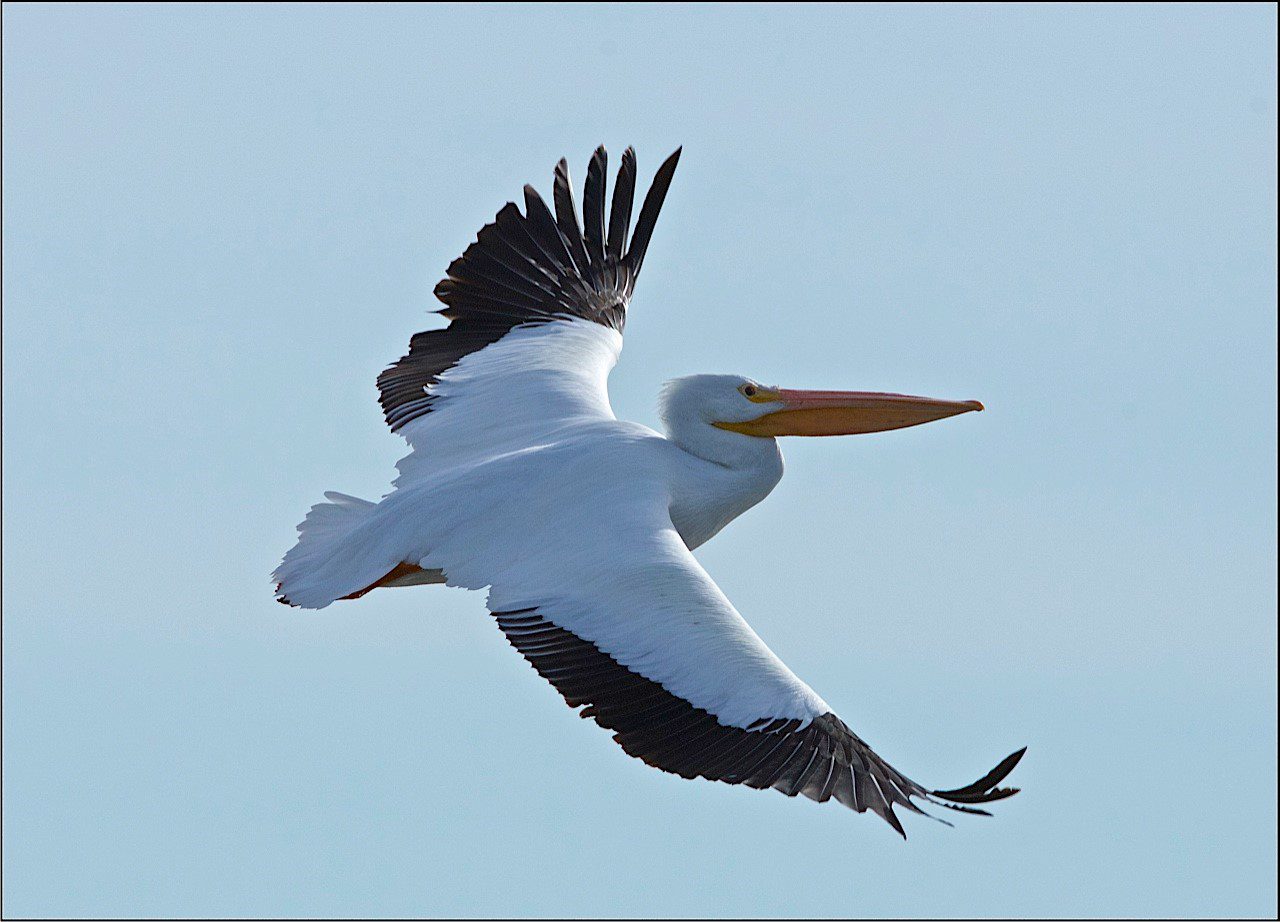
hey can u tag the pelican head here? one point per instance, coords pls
(745, 406)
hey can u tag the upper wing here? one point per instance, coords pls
(531, 269)
(592, 584)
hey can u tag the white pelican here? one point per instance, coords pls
(521, 479)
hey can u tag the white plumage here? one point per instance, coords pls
(522, 481)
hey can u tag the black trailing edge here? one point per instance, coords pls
(821, 760)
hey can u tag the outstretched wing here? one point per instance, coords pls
(606, 602)
(763, 728)
(531, 269)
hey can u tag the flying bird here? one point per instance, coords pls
(521, 479)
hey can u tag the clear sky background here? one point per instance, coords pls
(221, 223)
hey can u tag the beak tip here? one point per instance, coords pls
(975, 405)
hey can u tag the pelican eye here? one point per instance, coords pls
(757, 394)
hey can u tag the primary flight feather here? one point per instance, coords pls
(521, 479)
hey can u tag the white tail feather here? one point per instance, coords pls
(338, 553)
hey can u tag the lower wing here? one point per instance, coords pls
(607, 604)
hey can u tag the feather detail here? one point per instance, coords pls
(593, 207)
(649, 211)
(624, 192)
(567, 217)
(536, 267)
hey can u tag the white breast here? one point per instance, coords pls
(705, 497)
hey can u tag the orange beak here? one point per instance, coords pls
(846, 413)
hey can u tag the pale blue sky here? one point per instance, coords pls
(220, 224)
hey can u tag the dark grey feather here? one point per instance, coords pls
(649, 211)
(567, 217)
(593, 207)
(624, 193)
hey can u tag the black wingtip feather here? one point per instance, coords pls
(984, 790)
(624, 193)
(567, 216)
(593, 205)
(892, 819)
(649, 211)
(972, 811)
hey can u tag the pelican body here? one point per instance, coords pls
(521, 480)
